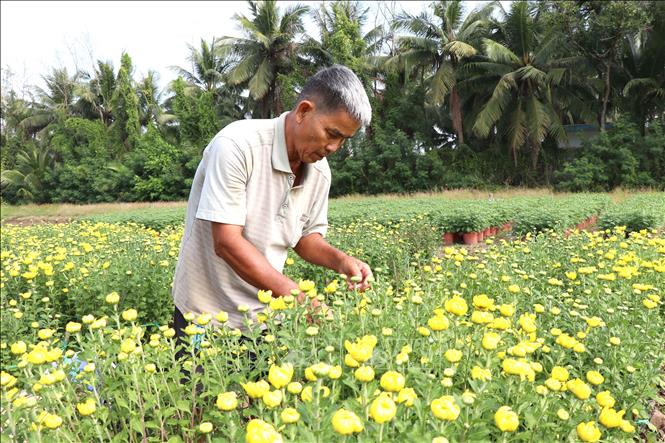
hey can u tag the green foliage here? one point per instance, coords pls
(469, 219)
(126, 106)
(27, 180)
(344, 40)
(652, 157)
(195, 111)
(153, 218)
(84, 173)
(158, 169)
(582, 174)
(644, 211)
(537, 220)
(461, 98)
(620, 157)
(289, 86)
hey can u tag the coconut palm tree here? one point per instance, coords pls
(341, 41)
(439, 45)
(55, 102)
(149, 94)
(268, 48)
(528, 77)
(208, 65)
(97, 92)
(644, 65)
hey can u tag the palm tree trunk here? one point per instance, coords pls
(513, 150)
(535, 152)
(277, 100)
(456, 115)
(606, 98)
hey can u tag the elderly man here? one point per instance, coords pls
(261, 188)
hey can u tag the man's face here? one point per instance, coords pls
(322, 133)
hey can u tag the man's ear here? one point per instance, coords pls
(304, 108)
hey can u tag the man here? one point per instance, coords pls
(262, 187)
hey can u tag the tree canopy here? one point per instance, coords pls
(462, 96)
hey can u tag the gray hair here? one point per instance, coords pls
(338, 87)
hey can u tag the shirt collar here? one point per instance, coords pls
(280, 157)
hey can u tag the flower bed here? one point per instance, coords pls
(544, 338)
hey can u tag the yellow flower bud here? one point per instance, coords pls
(364, 374)
(289, 415)
(445, 408)
(346, 422)
(87, 408)
(506, 419)
(382, 409)
(588, 431)
(392, 381)
(227, 401)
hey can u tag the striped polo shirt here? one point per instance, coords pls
(244, 178)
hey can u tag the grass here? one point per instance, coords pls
(66, 210)
(33, 213)
(456, 194)
(47, 211)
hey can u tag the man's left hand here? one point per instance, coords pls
(353, 267)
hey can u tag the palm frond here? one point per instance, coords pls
(460, 49)
(555, 75)
(499, 53)
(259, 85)
(441, 83)
(520, 28)
(537, 119)
(639, 83)
(546, 50)
(11, 177)
(244, 70)
(420, 25)
(374, 39)
(556, 126)
(495, 106)
(530, 72)
(516, 128)
(291, 21)
(454, 11)
(252, 31)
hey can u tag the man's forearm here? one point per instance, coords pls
(316, 250)
(254, 268)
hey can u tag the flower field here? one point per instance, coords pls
(531, 336)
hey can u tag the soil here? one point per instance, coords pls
(36, 220)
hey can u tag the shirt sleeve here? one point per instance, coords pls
(318, 216)
(224, 193)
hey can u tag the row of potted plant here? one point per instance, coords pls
(473, 237)
(472, 223)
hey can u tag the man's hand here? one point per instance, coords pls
(359, 275)
(314, 249)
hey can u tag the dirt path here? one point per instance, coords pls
(36, 220)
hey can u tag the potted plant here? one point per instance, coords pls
(444, 224)
(469, 222)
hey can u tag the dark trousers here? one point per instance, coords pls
(183, 343)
